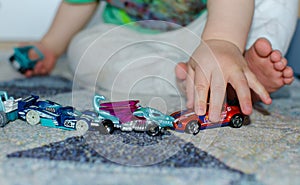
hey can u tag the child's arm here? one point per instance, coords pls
(219, 59)
(69, 19)
(229, 20)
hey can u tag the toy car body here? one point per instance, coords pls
(129, 116)
(50, 114)
(21, 61)
(188, 121)
(8, 108)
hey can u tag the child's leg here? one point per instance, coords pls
(275, 20)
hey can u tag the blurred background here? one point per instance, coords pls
(27, 19)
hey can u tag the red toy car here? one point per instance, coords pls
(188, 121)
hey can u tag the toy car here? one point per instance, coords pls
(129, 116)
(50, 114)
(8, 108)
(21, 61)
(187, 121)
(104, 126)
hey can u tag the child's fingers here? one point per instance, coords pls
(240, 83)
(33, 55)
(181, 71)
(190, 87)
(258, 88)
(28, 73)
(217, 94)
(40, 69)
(202, 84)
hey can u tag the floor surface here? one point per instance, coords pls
(267, 151)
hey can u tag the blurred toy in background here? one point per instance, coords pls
(129, 116)
(21, 61)
(8, 108)
(189, 122)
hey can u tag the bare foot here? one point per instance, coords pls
(269, 66)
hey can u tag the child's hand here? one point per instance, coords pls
(43, 67)
(213, 65)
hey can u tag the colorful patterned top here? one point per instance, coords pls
(171, 13)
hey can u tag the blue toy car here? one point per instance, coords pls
(129, 116)
(50, 114)
(21, 61)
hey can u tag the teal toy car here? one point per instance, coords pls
(128, 115)
(8, 108)
(21, 61)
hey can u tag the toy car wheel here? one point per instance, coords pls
(33, 117)
(236, 121)
(3, 119)
(152, 129)
(14, 63)
(109, 126)
(193, 127)
(82, 126)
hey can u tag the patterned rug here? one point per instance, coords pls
(54, 156)
(42, 86)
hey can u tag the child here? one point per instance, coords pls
(230, 51)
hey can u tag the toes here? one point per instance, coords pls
(181, 71)
(288, 75)
(281, 65)
(262, 47)
(288, 81)
(276, 56)
(288, 72)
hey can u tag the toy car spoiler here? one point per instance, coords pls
(120, 104)
(123, 109)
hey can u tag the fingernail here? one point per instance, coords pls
(267, 99)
